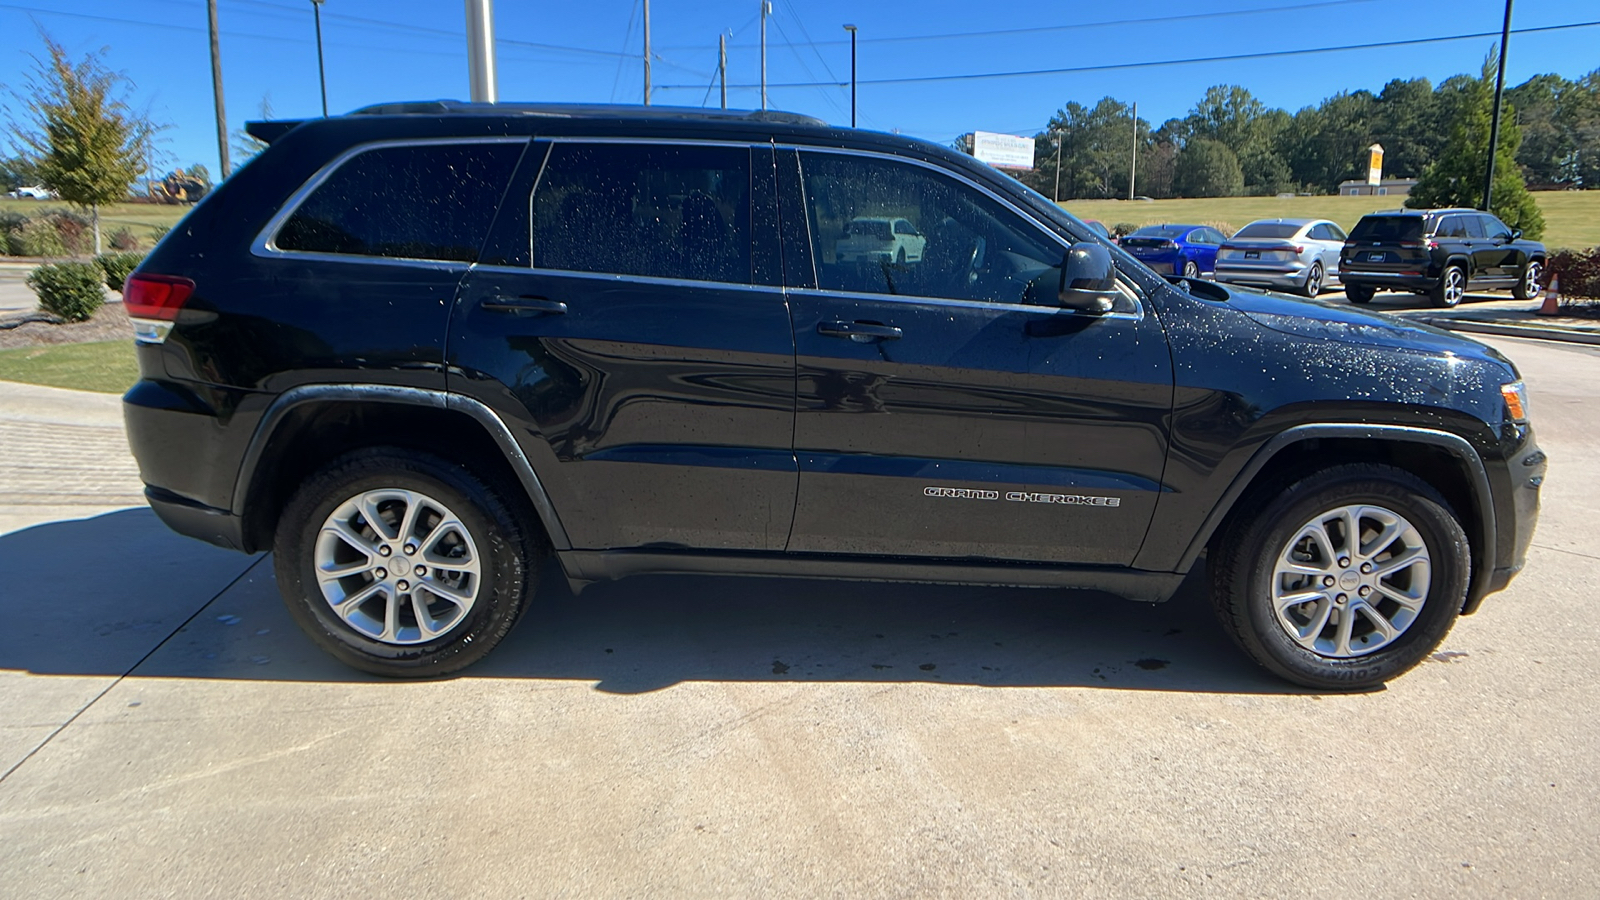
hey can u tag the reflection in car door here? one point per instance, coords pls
(943, 409)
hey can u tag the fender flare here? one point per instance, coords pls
(372, 393)
(1457, 446)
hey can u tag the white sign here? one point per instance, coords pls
(1003, 151)
(1375, 164)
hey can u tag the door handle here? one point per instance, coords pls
(538, 305)
(860, 331)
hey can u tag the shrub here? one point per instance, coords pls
(11, 225)
(123, 239)
(1579, 271)
(70, 290)
(39, 237)
(117, 266)
(160, 232)
(76, 231)
(1123, 229)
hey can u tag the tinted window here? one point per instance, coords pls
(972, 248)
(1452, 227)
(1388, 228)
(1162, 231)
(661, 211)
(1335, 233)
(431, 201)
(1493, 227)
(1268, 230)
(1474, 226)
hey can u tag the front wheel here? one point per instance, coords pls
(401, 563)
(1344, 579)
(1528, 285)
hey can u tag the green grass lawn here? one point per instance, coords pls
(143, 219)
(108, 367)
(1572, 218)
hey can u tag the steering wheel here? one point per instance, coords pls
(975, 262)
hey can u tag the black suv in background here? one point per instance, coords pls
(416, 349)
(1440, 253)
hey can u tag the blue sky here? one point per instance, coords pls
(381, 50)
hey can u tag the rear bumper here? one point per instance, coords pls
(192, 519)
(1286, 276)
(1387, 281)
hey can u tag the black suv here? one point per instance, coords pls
(1440, 253)
(416, 349)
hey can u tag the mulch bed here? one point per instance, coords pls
(110, 323)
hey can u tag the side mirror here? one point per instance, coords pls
(1516, 234)
(1088, 279)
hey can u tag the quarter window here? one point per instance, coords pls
(663, 211)
(427, 201)
(960, 244)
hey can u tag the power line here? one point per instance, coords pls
(1152, 64)
(1078, 26)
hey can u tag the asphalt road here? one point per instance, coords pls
(166, 731)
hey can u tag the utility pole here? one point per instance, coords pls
(646, 52)
(852, 30)
(1061, 140)
(216, 89)
(722, 66)
(1133, 164)
(766, 10)
(480, 51)
(322, 73)
(1494, 123)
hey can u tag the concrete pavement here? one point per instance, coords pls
(702, 736)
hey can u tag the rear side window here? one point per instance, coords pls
(427, 201)
(663, 211)
(1388, 228)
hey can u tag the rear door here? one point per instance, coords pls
(629, 324)
(945, 409)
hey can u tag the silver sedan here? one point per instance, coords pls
(1299, 255)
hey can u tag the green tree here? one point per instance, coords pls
(77, 128)
(1095, 147)
(1456, 177)
(1327, 144)
(18, 171)
(1207, 168)
(1403, 121)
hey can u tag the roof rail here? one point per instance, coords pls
(582, 110)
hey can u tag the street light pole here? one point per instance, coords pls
(216, 88)
(1494, 124)
(1133, 160)
(646, 52)
(766, 9)
(322, 74)
(852, 30)
(722, 66)
(1061, 139)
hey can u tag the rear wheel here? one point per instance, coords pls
(1190, 269)
(1359, 294)
(1451, 288)
(1528, 285)
(1344, 579)
(401, 563)
(1313, 285)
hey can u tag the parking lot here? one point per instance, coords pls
(168, 731)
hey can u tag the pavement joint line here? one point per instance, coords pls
(1563, 550)
(131, 669)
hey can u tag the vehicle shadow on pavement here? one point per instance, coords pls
(169, 607)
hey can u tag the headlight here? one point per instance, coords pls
(1516, 397)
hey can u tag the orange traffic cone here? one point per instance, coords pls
(1552, 298)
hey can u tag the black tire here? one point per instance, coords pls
(1191, 269)
(1362, 295)
(1244, 556)
(1451, 287)
(1528, 281)
(1313, 285)
(507, 553)
(900, 258)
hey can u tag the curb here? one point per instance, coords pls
(1521, 331)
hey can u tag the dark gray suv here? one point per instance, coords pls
(1441, 253)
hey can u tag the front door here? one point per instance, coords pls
(946, 408)
(631, 329)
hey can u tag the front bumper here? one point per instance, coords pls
(1516, 515)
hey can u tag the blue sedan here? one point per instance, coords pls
(1187, 250)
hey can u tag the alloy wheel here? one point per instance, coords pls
(1455, 285)
(397, 566)
(1351, 581)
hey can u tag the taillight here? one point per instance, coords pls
(152, 303)
(1298, 249)
(155, 296)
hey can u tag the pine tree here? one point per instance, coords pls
(88, 145)
(1455, 178)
